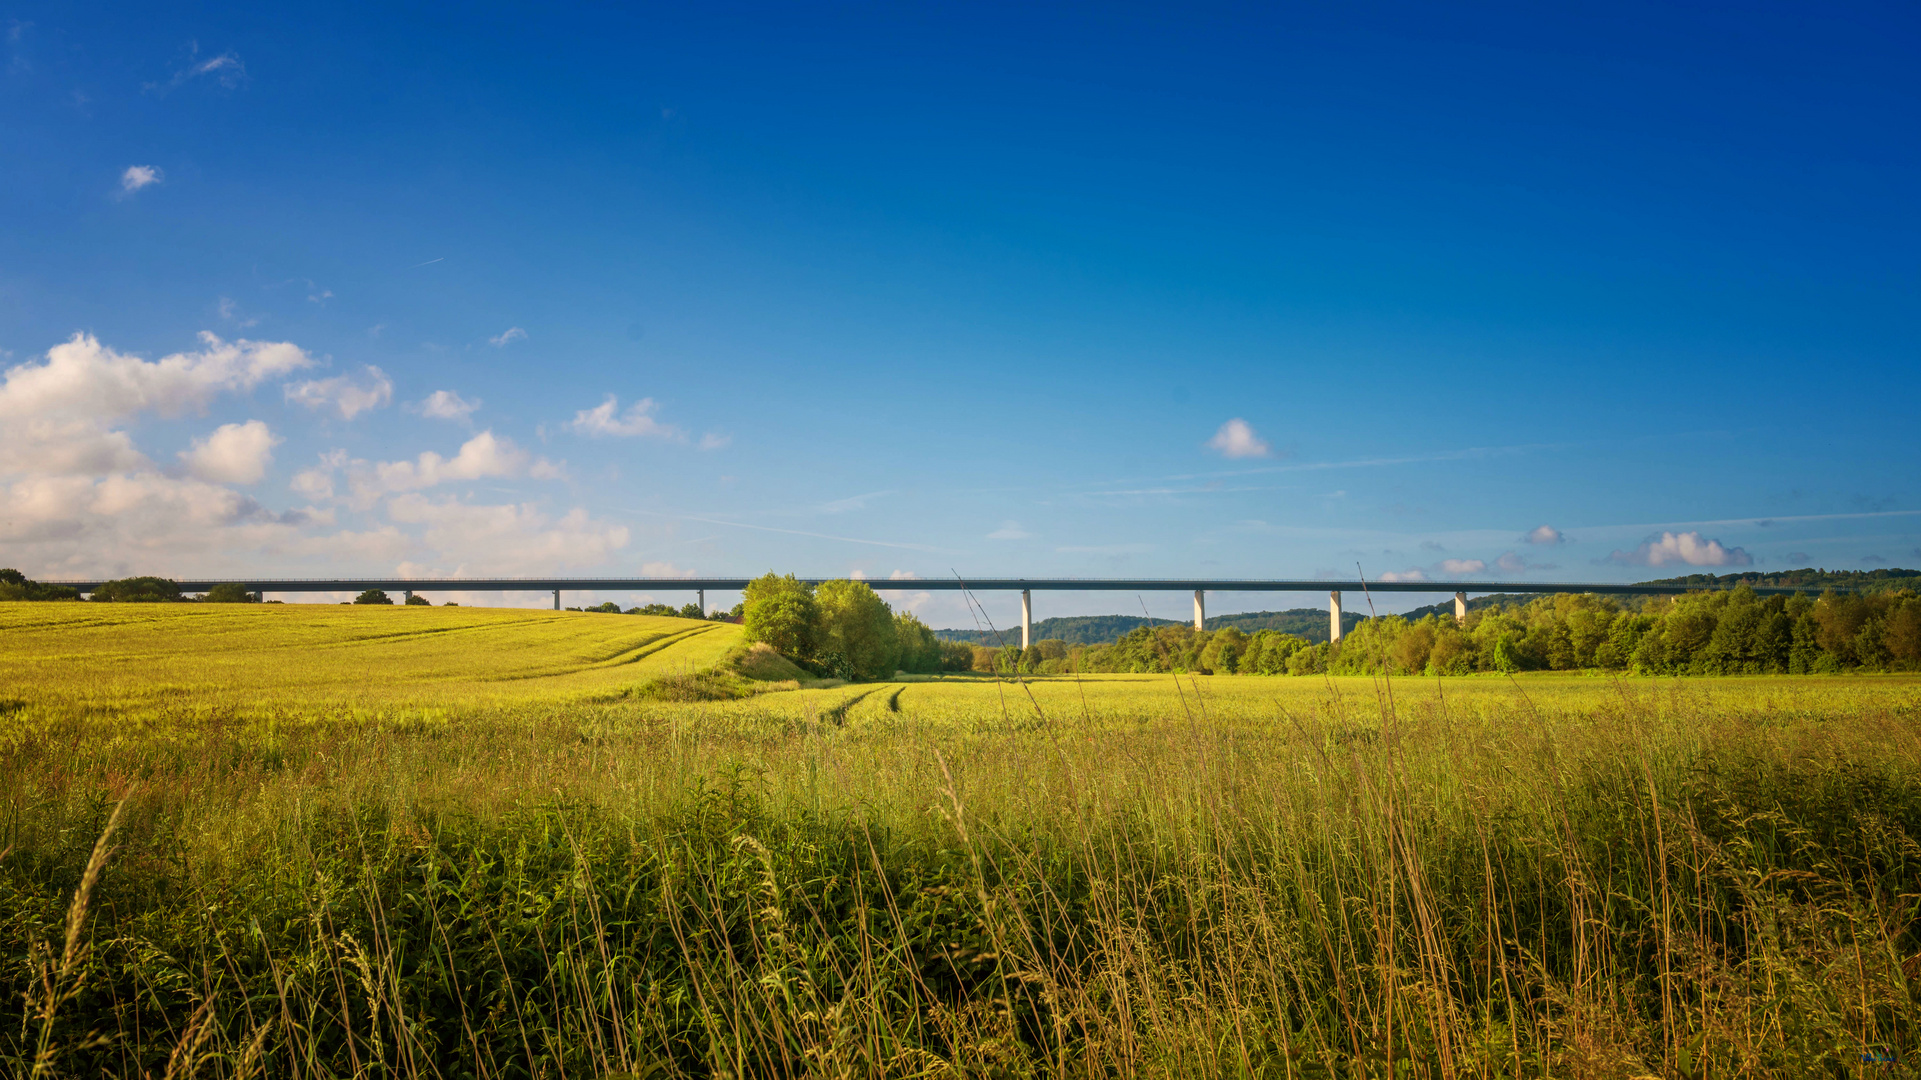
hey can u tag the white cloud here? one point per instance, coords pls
(1009, 530)
(715, 441)
(87, 380)
(604, 419)
(1236, 439)
(345, 394)
(139, 176)
(512, 333)
(1688, 548)
(226, 69)
(1545, 536)
(230, 311)
(447, 405)
(486, 456)
(1462, 566)
(233, 454)
(1410, 574)
(317, 483)
(508, 537)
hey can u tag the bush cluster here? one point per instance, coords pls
(844, 629)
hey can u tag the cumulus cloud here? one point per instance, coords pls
(346, 394)
(1462, 566)
(486, 456)
(511, 334)
(447, 405)
(1236, 439)
(638, 420)
(78, 498)
(83, 377)
(510, 536)
(58, 416)
(715, 441)
(1009, 530)
(1688, 548)
(1410, 574)
(233, 454)
(139, 176)
(1545, 536)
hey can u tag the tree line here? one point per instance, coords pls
(1726, 632)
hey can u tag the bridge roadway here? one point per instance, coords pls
(1025, 586)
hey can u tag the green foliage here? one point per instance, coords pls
(1729, 632)
(15, 586)
(228, 592)
(138, 590)
(373, 596)
(920, 651)
(421, 601)
(782, 612)
(858, 639)
(608, 608)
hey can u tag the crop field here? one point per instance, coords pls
(432, 842)
(136, 657)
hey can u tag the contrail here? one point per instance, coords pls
(429, 262)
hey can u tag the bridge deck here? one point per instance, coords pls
(1226, 585)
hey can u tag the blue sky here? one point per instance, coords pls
(891, 290)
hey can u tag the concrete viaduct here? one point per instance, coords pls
(1025, 586)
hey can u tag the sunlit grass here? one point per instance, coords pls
(1116, 875)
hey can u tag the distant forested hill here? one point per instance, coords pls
(1310, 623)
(1866, 581)
(1863, 581)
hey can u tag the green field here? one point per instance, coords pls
(366, 841)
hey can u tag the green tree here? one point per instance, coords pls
(421, 601)
(229, 592)
(15, 586)
(782, 612)
(138, 590)
(373, 596)
(857, 627)
(920, 650)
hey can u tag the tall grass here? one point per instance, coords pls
(1626, 881)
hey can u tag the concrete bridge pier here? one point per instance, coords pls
(1200, 610)
(406, 595)
(1334, 615)
(702, 594)
(1460, 609)
(1027, 619)
(556, 599)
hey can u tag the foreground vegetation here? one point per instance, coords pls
(942, 876)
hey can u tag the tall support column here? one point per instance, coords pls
(1200, 610)
(702, 594)
(1334, 615)
(556, 599)
(406, 594)
(1027, 619)
(1460, 609)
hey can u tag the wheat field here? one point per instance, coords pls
(340, 842)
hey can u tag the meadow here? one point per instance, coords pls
(342, 842)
